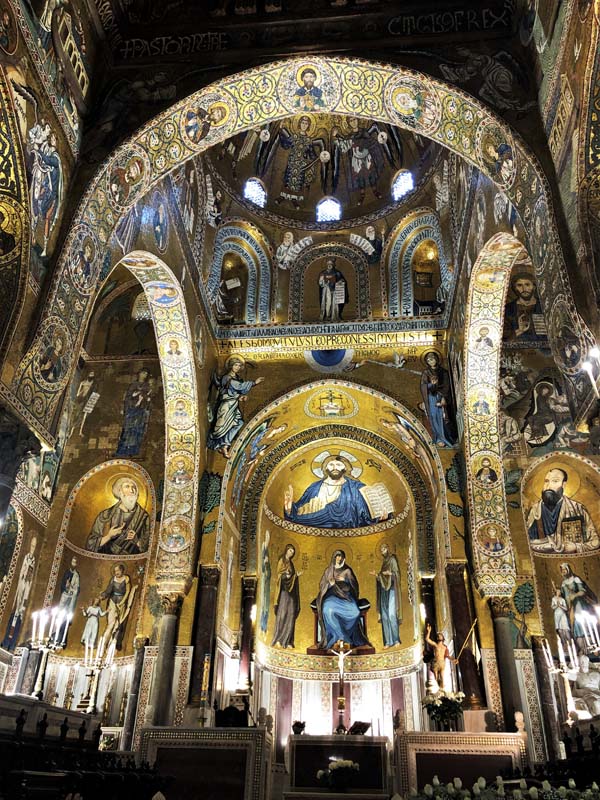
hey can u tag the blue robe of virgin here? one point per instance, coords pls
(350, 510)
(337, 608)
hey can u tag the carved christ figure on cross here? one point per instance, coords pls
(340, 650)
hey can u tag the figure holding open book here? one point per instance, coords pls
(338, 500)
(333, 292)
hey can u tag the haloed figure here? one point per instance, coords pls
(389, 601)
(287, 603)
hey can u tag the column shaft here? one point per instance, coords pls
(204, 629)
(507, 668)
(132, 697)
(159, 705)
(462, 619)
(248, 599)
(548, 699)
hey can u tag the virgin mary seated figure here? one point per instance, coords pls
(338, 605)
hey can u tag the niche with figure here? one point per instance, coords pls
(231, 299)
(330, 290)
(425, 267)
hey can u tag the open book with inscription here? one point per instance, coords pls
(379, 501)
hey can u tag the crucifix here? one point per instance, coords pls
(342, 650)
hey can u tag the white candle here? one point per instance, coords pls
(68, 619)
(100, 650)
(43, 620)
(85, 657)
(594, 626)
(548, 654)
(34, 629)
(59, 621)
(52, 621)
(561, 652)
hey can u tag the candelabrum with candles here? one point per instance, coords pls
(566, 668)
(48, 635)
(98, 657)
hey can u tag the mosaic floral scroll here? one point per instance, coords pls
(253, 98)
(491, 544)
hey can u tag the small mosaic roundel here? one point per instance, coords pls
(309, 88)
(128, 177)
(175, 534)
(413, 103)
(492, 539)
(84, 259)
(51, 362)
(497, 153)
(213, 115)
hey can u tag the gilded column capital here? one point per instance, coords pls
(172, 603)
(249, 583)
(209, 576)
(500, 607)
(455, 572)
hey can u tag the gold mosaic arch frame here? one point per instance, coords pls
(385, 93)
(173, 562)
(438, 470)
(14, 202)
(495, 570)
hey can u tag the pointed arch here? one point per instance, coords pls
(407, 234)
(424, 485)
(249, 243)
(398, 96)
(495, 570)
(174, 560)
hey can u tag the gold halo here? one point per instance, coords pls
(232, 359)
(536, 481)
(319, 461)
(428, 353)
(138, 482)
(295, 124)
(305, 66)
(331, 548)
(400, 107)
(226, 109)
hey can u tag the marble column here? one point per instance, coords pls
(17, 443)
(548, 700)
(462, 619)
(159, 705)
(204, 631)
(133, 694)
(247, 643)
(505, 656)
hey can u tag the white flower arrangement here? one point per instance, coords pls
(341, 763)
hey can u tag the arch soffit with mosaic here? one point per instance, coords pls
(247, 241)
(14, 200)
(397, 96)
(421, 224)
(425, 488)
(495, 570)
(322, 250)
(173, 562)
